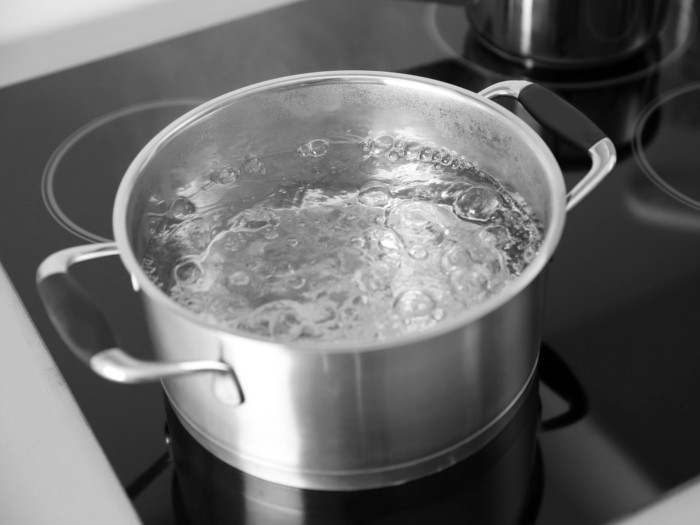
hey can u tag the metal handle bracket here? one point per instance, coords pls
(557, 115)
(87, 333)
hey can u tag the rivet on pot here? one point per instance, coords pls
(227, 390)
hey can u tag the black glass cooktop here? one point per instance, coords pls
(612, 423)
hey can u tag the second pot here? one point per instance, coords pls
(570, 34)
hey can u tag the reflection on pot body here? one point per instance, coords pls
(333, 419)
(339, 416)
(500, 484)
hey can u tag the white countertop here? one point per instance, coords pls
(52, 470)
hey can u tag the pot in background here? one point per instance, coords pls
(338, 416)
(566, 34)
(501, 484)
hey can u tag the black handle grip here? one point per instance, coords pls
(558, 116)
(75, 316)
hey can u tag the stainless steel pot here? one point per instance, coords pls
(570, 34)
(337, 416)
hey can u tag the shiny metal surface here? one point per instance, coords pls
(571, 34)
(350, 416)
(508, 88)
(603, 158)
(347, 416)
(113, 363)
(358, 419)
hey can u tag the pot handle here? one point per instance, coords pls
(82, 326)
(560, 117)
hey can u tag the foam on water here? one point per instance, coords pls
(356, 240)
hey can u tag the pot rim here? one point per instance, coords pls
(555, 184)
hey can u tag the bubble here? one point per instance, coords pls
(454, 258)
(419, 222)
(376, 194)
(253, 164)
(187, 272)
(477, 203)
(280, 320)
(398, 150)
(411, 150)
(194, 303)
(414, 303)
(314, 148)
(292, 242)
(412, 215)
(446, 158)
(460, 163)
(380, 145)
(426, 154)
(500, 237)
(474, 264)
(490, 259)
(418, 253)
(470, 283)
(182, 208)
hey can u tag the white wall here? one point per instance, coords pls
(42, 36)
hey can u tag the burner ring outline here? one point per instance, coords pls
(49, 174)
(638, 146)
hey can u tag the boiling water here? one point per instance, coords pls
(345, 240)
